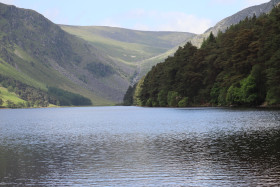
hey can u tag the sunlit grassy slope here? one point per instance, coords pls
(128, 46)
(39, 53)
(31, 72)
(5, 95)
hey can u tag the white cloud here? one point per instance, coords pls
(177, 21)
(159, 21)
(223, 1)
(111, 23)
(254, 2)
(9, 2)
(55, 16)
(243, 3)
(141, 27)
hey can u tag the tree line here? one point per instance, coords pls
(240, 67)
(35, 97)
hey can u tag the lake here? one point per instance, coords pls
(133, 146)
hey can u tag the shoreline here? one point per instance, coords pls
(273, 107)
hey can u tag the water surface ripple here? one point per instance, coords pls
(131, 146)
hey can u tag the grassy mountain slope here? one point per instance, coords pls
(39, 53)
(98, 64)
(128, 46)
(139, 50)
(7, 98)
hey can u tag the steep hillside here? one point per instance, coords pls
(39, 53)
(235, 19)
(239, 67)
(128, 46)
(139, 50)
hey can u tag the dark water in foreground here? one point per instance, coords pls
(130, 146)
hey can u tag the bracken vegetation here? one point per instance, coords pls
(240, 67)
(33, 97)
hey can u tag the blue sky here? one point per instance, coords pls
(157, 15)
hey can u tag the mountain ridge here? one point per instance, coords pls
(134, 48)
(40, 54)
(239, 67)
(98, 64)
(235, 19)
(35, 47)
(155, 41)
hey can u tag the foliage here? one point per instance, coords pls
(66, 98)
(209, 41)
(138, 89)
(34, 96)
(11, 104)
(238, 67)
(128, 97)
(172, 98)
(38, 98)
(183, 102)
(162, 98)
(149, 102)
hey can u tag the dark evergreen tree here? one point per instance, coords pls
(128, 97)
(238, 67)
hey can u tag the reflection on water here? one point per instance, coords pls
(129, 146)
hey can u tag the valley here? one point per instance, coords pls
(95, 62)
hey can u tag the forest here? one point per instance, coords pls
(240, 67)
(66, 98)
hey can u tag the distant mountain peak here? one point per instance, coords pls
(235, 19)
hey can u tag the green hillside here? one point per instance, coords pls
(40, 54)
(97, 63)
(10, 99)
(138, 50)
(239, 67)
(128, 46)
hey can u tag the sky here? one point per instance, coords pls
(194, 16)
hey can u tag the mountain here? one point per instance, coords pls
(240, 67)
(197, 40)
(235, 19)
(40, 54)
(138, 49)
(98, 63)
(128, 46)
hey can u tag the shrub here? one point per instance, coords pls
(183, 102)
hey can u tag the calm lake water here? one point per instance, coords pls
(131, 146)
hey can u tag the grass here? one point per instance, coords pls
(5, 95)
(128, 46)
(34, 73)
(50, 77)
(9, 71)
(146, 65)
(39, 54)
(129, 52)
(138, 49)
(50, 57)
